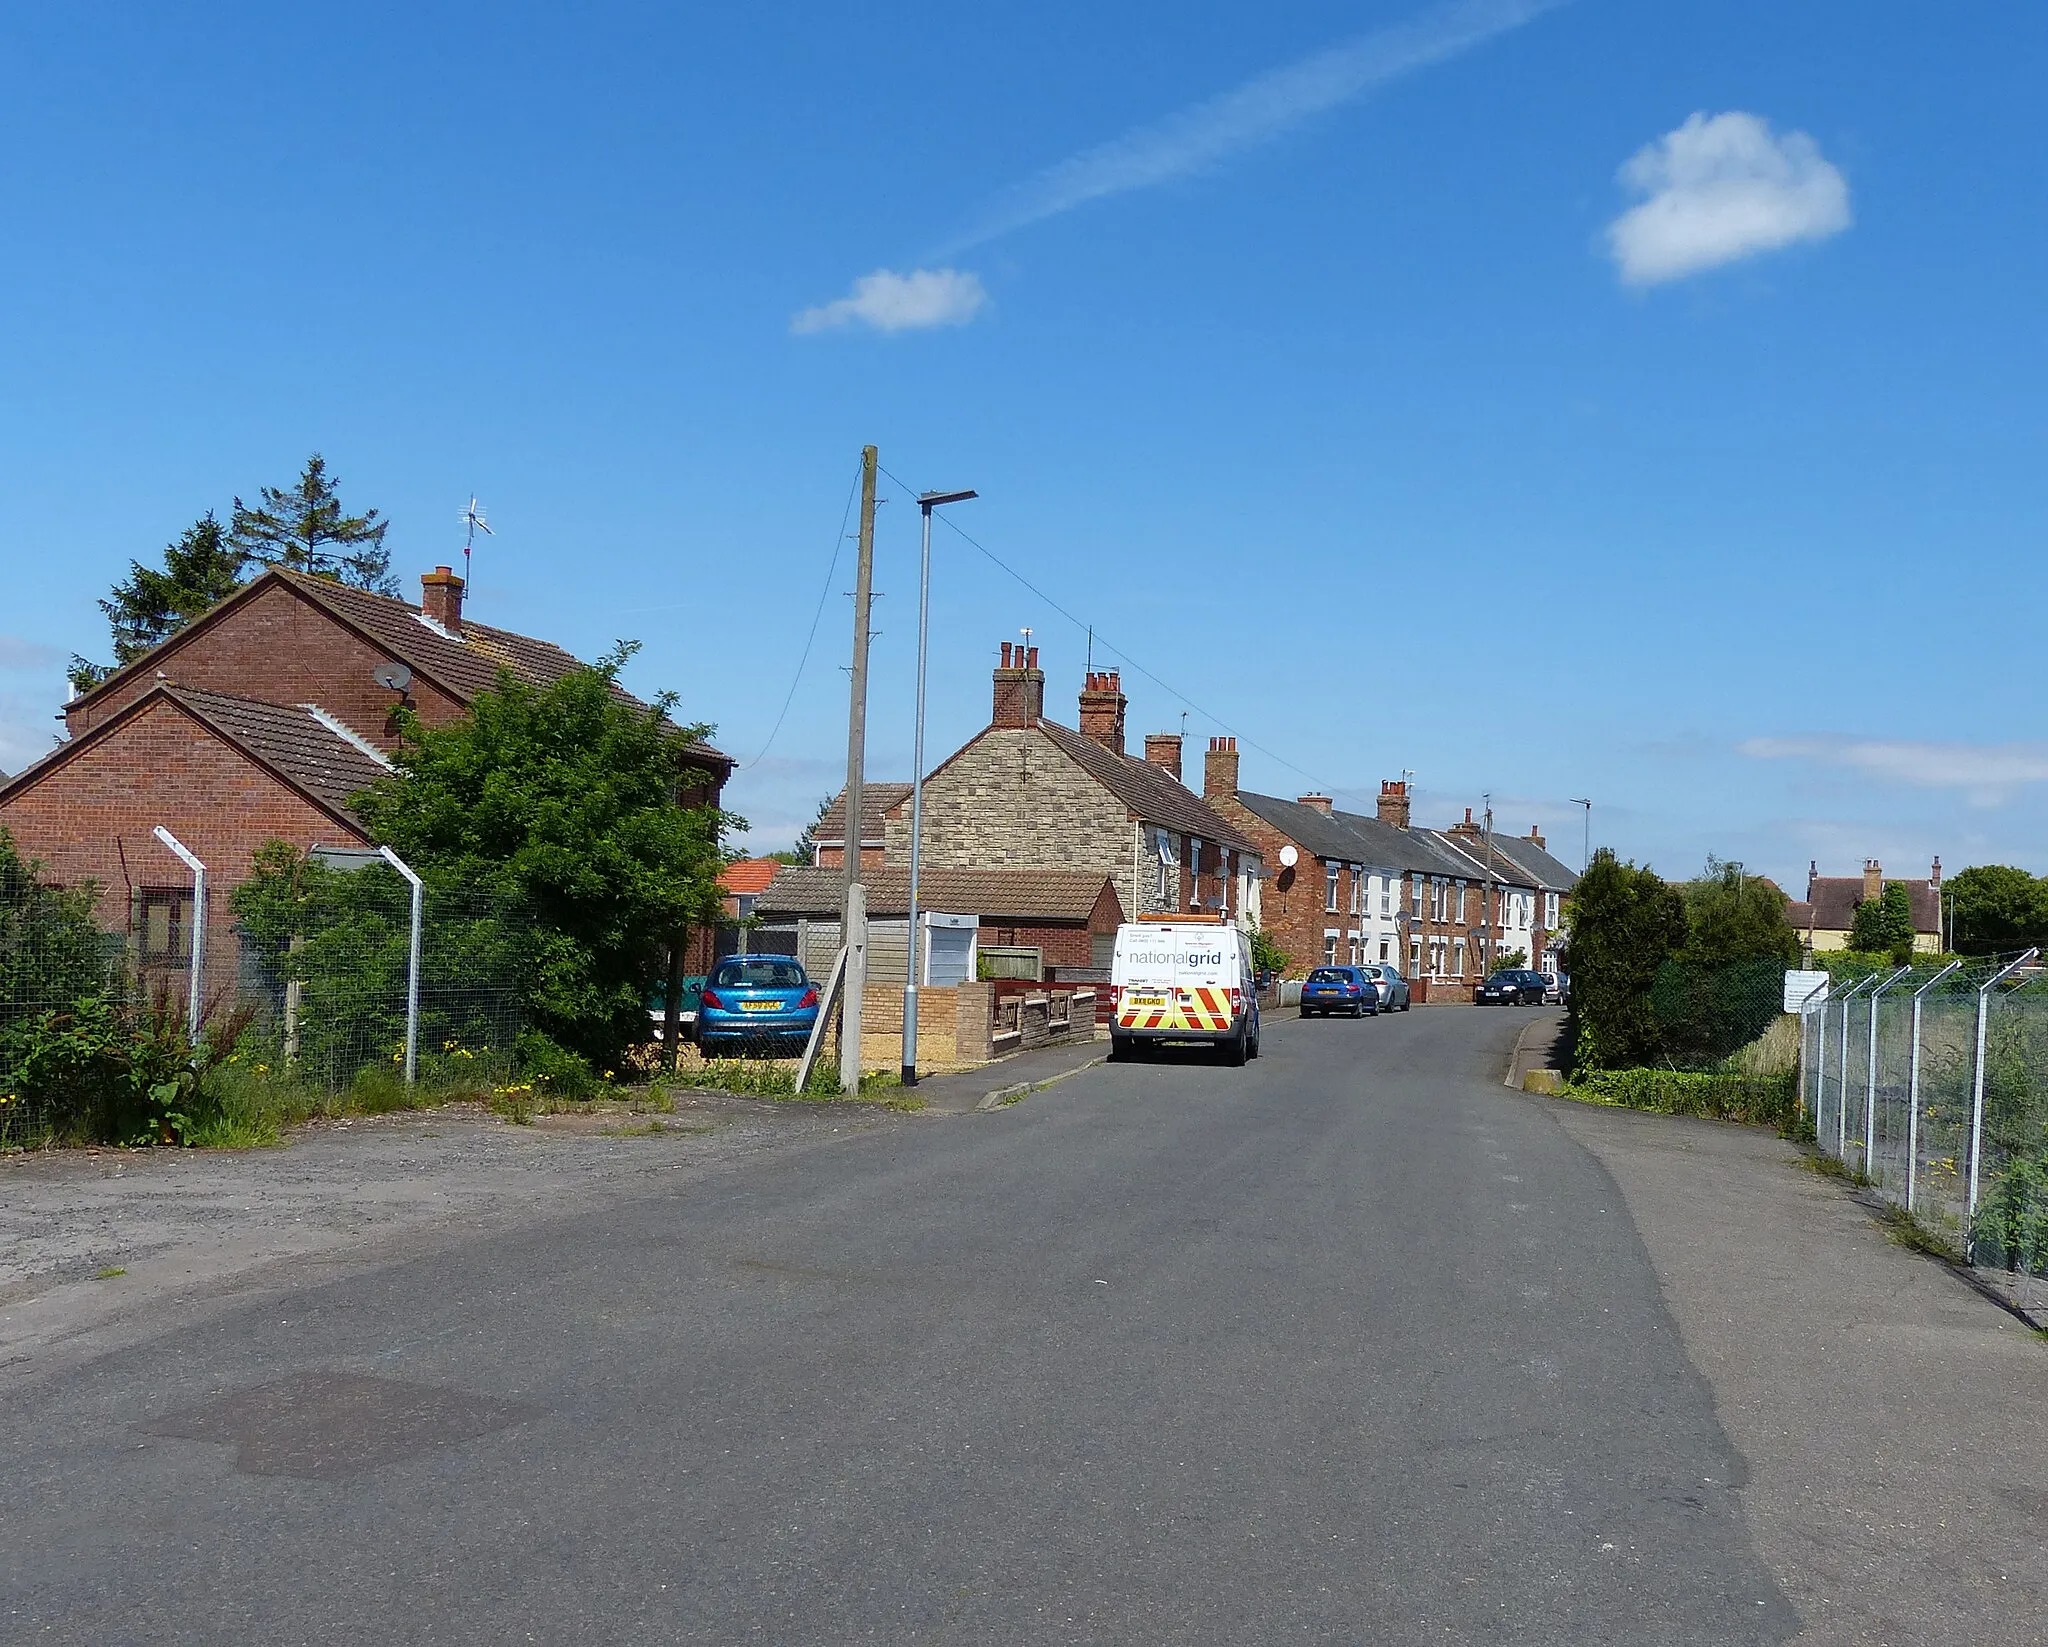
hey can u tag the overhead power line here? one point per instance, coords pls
(1096, 638)
(824, 594)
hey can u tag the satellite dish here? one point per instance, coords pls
(393, 677)
(1289, 857)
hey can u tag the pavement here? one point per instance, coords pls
(1893, 1419)
(1349, 1345)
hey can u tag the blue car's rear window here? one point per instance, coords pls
(759, 975)
(1327, 975)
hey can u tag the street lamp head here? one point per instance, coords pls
(929, 501)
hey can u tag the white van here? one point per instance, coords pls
(1183, 978)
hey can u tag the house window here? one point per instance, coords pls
(1460, 916)
(1550, 910)
(1386, 897)
(1165, 883)
(1330, 887)
(1414, 957)
(165, 919)
(1458, 952)
(1415, 895)
(1329, 949)
(1383, 949)
(1522, 907)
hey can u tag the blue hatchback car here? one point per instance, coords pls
(1343, 989)
(751, 1001)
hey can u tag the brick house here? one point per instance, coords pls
(256, 722)
(828, 836)
(1063, 920)
(1029, 793)
(1521, 887)
(1827, 914)
(1377, 889)
(1347, 895)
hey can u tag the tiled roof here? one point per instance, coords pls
(749, 875)
(1151, 792)
(464, 667)
(290, 740)
(1547, 873)
(1020, 894)
(1834, 899)
(1470, 852)
(1348, 837)
(875, 799)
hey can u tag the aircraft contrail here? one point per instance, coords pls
(1255, 112)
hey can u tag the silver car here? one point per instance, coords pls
(1392, 987)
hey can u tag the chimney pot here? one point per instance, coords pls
(441, 598)
(1102, 709)
(1393, 805)
(1019, 688)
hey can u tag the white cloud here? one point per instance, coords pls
(1987, 773)
(892, 302)
(16, 653)
(1719, 188)
(1255, 112)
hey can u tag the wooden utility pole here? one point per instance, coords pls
(854, 922)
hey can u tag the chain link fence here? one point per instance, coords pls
(1931, 1082)
(315, 979)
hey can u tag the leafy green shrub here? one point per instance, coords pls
(554, 1070)
(1760, 1100)
(2011, 1228)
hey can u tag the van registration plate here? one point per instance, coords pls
(1146, 1000)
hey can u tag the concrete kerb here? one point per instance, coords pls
(1002, 1097)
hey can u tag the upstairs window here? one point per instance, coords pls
(1330, 887)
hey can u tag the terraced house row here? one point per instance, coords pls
(1028, 794)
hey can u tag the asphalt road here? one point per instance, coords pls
(1351, 1345)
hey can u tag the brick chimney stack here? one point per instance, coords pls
(441, 598)
(1322, 803)
(1934, 880)
(1873, 880)
(1102, 709)
(1393, 807)
(1163, 749)
(1536, 835)
(1219, 768)
(1467, 830)
(1020, 688)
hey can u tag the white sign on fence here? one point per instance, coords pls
(1804, 990)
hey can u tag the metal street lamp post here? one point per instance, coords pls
(1586, 849)
(926, 503)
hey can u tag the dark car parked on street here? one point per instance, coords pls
(1343, 989)
(1513, 988)
(1392, 987)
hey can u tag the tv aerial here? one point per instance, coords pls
(473, 522)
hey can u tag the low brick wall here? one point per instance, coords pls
(1035, 1015)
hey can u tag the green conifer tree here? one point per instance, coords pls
(303, 529)
(200, 570)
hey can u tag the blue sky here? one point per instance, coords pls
(1406, 386)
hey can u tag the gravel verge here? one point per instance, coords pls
(102, 1247)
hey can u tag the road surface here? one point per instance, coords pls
(1351, 1345)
